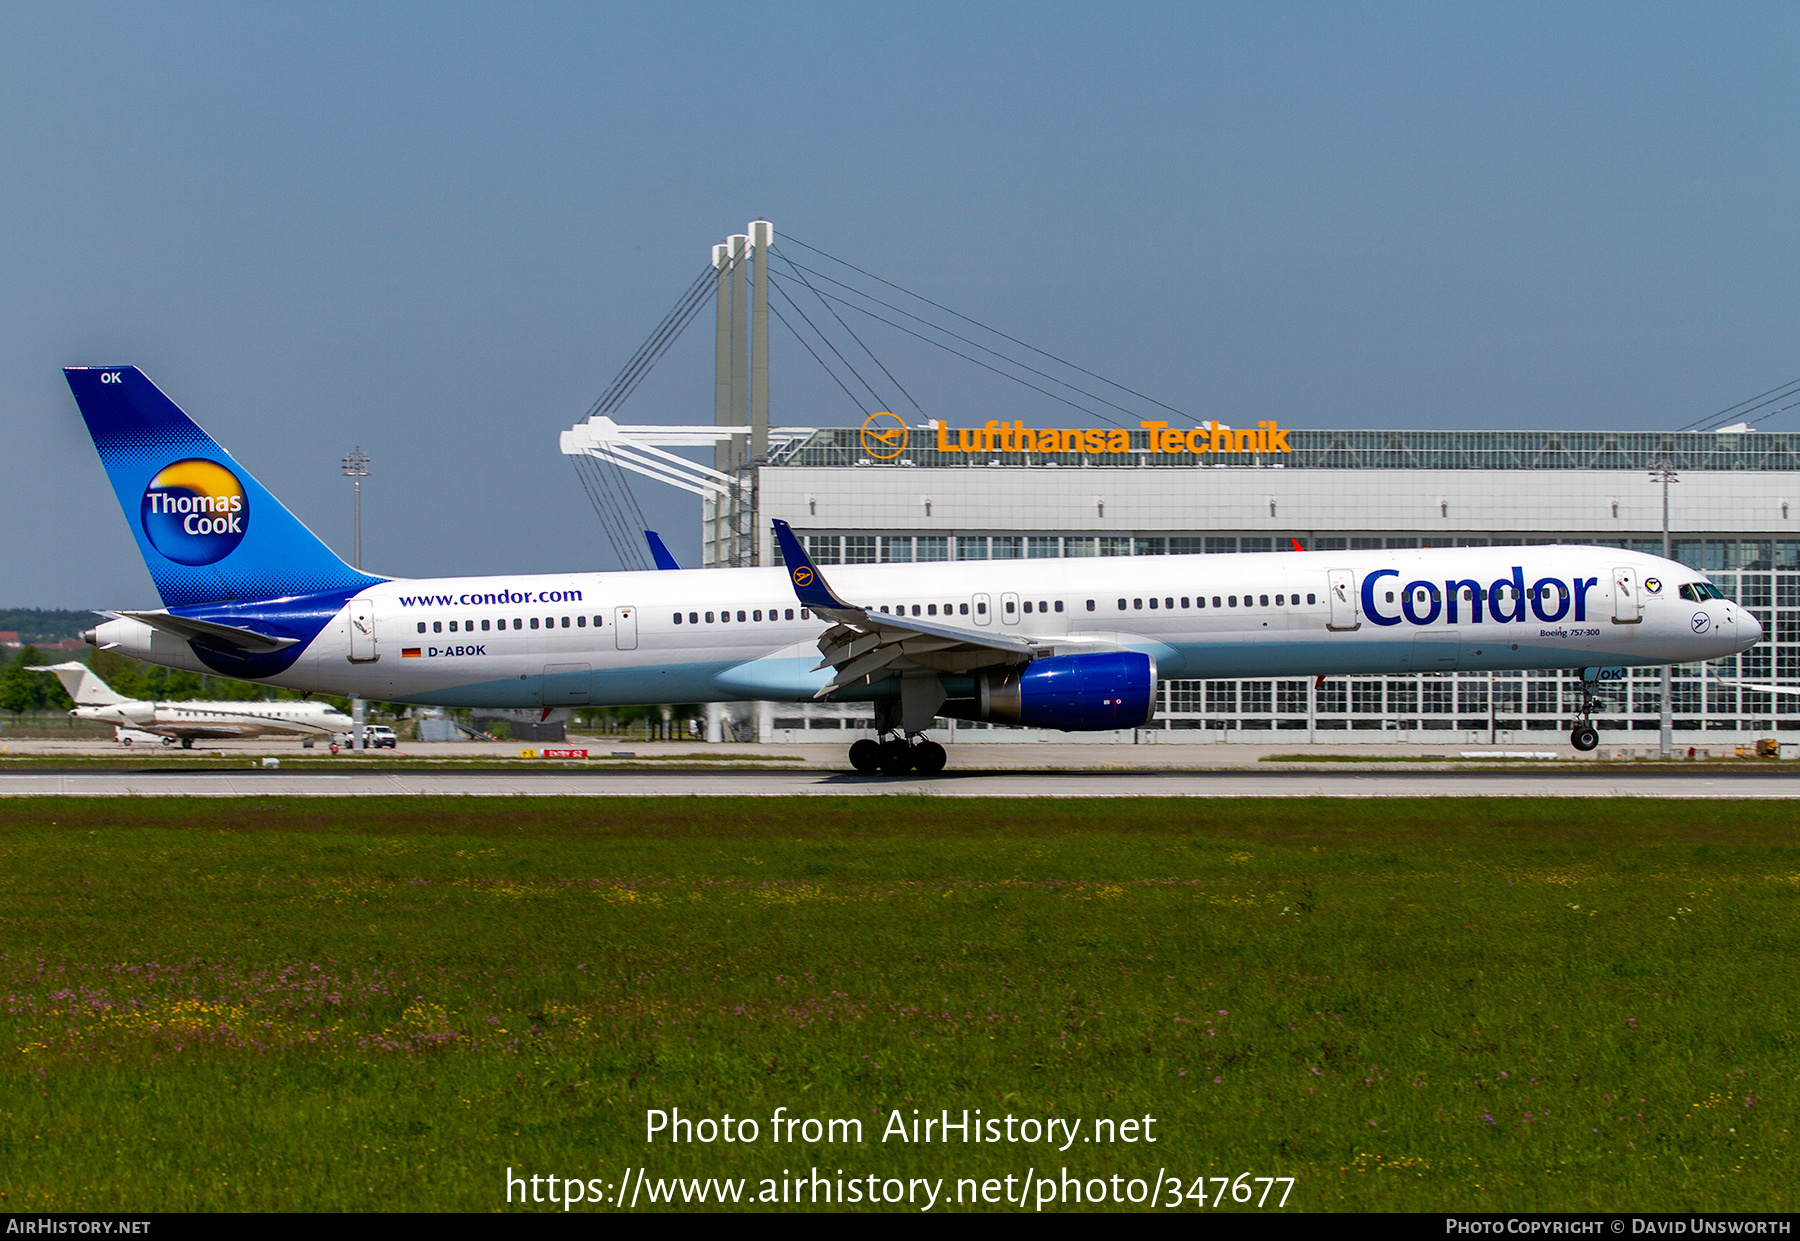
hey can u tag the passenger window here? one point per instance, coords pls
(468, 626)
(1184, 601)
(452, 626)
(1232, 599)
(1216, 602)
(1312, 598)
(421, 626)
(484, 626)
(1009, 605)
(1153, 605)
(565, 622)
(597, 620)
(1390, 596)
(678, 618)
(962, 609)
(437, 626)
(709, 618)
(931, 609)
(756, 615)
(1200, 601)
(1138, 604)
(981, 609)
(1168, 603)
(915, 609)
(581, 621)
(884, 610)
(1059, 605)
(805, 615)
(1121, 605)
(790, 613)
(1028, 606)
(693, 618)
(1263, 599)
(1280, 600)
(534, 622)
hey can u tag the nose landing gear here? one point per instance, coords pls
(1584, 736)
(896, 755)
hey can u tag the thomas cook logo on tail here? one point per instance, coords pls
(195, 512)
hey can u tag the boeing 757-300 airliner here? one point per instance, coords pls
(1073, 644)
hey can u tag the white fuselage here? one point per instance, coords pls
(197, 720)
(736, 634)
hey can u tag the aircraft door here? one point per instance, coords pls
(566, 684)
(1628, 607)
(362, 632)
(1340, 589)
(625, 628)
(1436, 651)
(1009, 611)
(984, 610)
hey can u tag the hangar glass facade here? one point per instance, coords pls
(1757, 564)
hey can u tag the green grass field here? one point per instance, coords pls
(384, 1004)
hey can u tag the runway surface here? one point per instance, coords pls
(1623, 781)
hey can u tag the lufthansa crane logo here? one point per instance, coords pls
(803, 576)
(883, 436)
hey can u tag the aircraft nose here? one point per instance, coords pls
(1749, 627)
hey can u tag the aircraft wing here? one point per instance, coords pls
(211, 633)
(864, 646)
(1761, 689)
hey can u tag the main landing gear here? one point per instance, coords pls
(896, 755)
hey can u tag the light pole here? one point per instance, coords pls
(1664, 472)
(356, 468)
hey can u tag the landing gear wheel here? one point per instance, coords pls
(1584, 737)
(865, 755)
(896, 758)
(187, 743)
(929, 758)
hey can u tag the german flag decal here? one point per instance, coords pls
(409, 652)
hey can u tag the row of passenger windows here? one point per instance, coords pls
(744, 616)
(549, 622)
(1226, 601)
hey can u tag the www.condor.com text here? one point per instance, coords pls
(638, 1188)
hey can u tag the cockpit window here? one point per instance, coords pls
(1695, 592)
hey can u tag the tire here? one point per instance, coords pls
(187, 743)
(865, 756)
(1584, 737)
(896, 758)
(929, 758)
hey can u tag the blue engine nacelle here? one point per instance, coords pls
(1076, 693)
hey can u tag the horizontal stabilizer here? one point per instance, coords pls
(81, 684)
(211, 633)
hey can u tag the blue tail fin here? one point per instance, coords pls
(208, 531)
(659, 552)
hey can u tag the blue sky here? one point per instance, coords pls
(437, 231)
